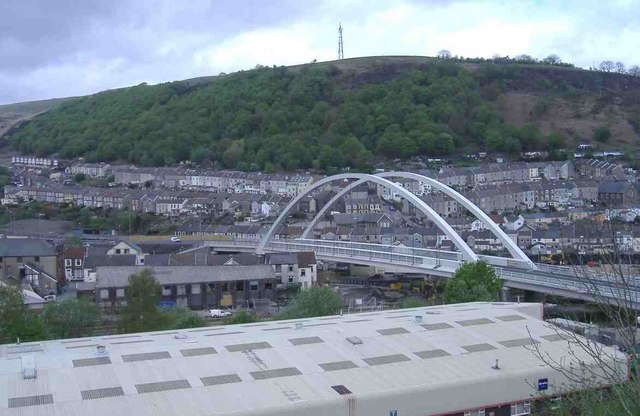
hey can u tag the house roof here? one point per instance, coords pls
(108, 276)
(306, 259)
(92, 262)
(281, 258)
(25, 247)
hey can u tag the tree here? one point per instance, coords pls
(72, 240)
(141, 313)
(606, 66)
(79, 177)
(70, 318)
(316, 301)
(620, 69)
(552, 59)
(613, 289)
(473, 282)
(444, 54)
(634, 70)
(16, 321)
(524, 58)
(602, 134)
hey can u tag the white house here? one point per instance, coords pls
(123, 247)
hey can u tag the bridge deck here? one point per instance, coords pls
(555, 280)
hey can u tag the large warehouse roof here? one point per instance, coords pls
(373, 362)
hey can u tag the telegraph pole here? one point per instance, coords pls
(340, 45)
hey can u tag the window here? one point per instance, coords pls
(166, 290)
(182, 290)
(290, 279)
(253, 285)
(68, 262)
(36, 259)
(239, 285)
(303, 272)
(268, 285)
(68, 273)
(195, 289)
(117, 251)
(78, 262)
(104, 294)
(478, 412)
(126, 251)
(290, 268)
(19, 259)
(119, 293)
(224, 287)
(522, 408)
(0, 259)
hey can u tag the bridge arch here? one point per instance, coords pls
(508, 243)
(466, 251)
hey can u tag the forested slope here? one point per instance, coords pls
(345, 113)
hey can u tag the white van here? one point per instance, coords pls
(219, 313)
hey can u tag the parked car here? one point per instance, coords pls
(176, 239)
(219, 313)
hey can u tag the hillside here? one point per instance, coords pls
(343, 113)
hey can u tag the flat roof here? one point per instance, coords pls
(378, 361)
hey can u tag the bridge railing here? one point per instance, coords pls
(417, 251)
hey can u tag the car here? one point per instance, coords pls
(50, 298)
(176, 239)
(219, 313)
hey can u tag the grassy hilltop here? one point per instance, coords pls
(340, 113)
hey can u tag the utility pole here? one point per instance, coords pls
(340, 45)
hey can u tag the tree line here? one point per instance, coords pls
(552, 60)
(276, 118)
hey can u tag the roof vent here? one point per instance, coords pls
(180, 336)
(354, 340)
(418, 319)
(101, 350)
(29, 370)
(299, 326)
(496, 367)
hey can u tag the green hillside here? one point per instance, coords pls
(344, 113)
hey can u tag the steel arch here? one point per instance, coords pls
(512, 247)
(466, 251)
(507, 242)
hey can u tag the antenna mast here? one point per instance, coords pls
(340, 45)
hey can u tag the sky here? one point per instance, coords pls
(60, 48)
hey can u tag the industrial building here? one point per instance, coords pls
(466, 359)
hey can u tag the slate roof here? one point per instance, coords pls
(107, 260)
(306, 259)
(23, 247)
(172, 275)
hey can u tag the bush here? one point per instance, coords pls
(412, 302)
(242, 317)
(180, 318)
(317, 301)
(602, 134)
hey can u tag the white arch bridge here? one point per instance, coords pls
(517, 271)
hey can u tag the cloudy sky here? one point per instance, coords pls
(57, 48)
